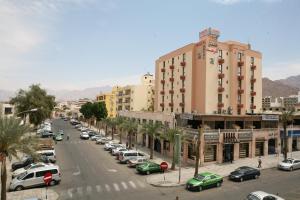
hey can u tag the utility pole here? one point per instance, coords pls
(200, 131)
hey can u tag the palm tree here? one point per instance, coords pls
(120, 127)
(170, 136)
(286, 118)
(151, 129)
(131, 127)
(12, 141)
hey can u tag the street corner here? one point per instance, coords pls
(159, 181)
(39, 193)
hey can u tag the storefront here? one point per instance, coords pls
(157, 145)
(229, 139)
(244, 139)
(210, 148)
(259, 146)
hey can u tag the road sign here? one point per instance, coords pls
(47, 178)
(163, 166)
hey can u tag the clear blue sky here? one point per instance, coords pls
(68, 44)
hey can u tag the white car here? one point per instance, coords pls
(84, 135)
(118, 150)
(102, 140)
(260, 195)
(28, 167)
(110, 144)
(289, 164)
(96, 137)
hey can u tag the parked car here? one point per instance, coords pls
(61, 132)
(260, 195)
(47, 134)
(96, 137)
(26, 160)
(35, 177)
(203, 181)
(148, 168)
(84, 135)
(125, 156)
(28, 167)
(49, 153)
(244, 173)
(58, 137)
(78, 126)
(137, 161)
(92, 133)
(289, 164)
(111, 145)
(118, 150)
(103, 140)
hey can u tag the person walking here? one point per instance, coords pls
(259, 162)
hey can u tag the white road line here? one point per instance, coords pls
(141, 184)
(107, 188)
(89, 189)
(70, 193)
(116, 186)
(132, 184)
(80, 191)
(99, 189)
(124, 185)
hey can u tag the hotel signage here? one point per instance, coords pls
(245, 136)
(270, 117)
(211, 137)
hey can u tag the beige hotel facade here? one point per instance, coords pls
(209, 77)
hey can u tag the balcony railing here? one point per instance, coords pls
(240, 91)
(163, 81)
(240, 77)
(183, 64)
(240, 105)
(221, 61)
(172, 67)
(253, 67)
(171, 104)
(163, 70)
(182, 77)
(240, 63)
(171, 91)
(171, 79)
(253, 80)
(221, 75)
(182, 90)
(162, 104)
(253, 93)
(220, 89)
(181, 104)
(162, 92)
(253, 106)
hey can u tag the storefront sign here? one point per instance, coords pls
(211, 137)
(245, 136)
(270, 117)
(273, 134)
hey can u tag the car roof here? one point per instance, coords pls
(207, 174)
(261, 194)
(47, 167)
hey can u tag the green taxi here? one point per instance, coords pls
(148, 168)
(203, 181)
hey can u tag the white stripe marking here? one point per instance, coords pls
(141, 184)
(88, 189)
(70, 193)
(98, 187)
(124, 185)
(116, 187)
(107, 188)
(132, 184)
(79, 190)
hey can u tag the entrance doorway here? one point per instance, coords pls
(259, 148)
(157, 145)
(228, 152)
(271, 146)
(244, 150)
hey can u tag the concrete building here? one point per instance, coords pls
(136, 97)
(109, 99)
(7, 110)
(209, 77)
(279, 104)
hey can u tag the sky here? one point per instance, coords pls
(76, 44)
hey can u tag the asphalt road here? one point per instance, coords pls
(89, 172)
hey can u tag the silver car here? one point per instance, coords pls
(289, 164)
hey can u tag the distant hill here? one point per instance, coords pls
(293, 81)
(277, 88)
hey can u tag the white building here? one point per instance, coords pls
(7, 109)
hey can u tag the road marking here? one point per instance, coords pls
(141, 184)
(132, 184)
(107, 188)
(78, 171)
(112, 170)
(116, 186)
(89, 189)
(80, 190)
(70, 193)
(124, 185)
(98, 187)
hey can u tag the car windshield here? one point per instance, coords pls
(28, 167)
(200, 177)
(252, 197)
(288, 161)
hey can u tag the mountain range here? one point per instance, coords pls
(276, 88)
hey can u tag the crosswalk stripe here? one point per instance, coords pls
(107, 188)
(70, 193)
(99, 189)
(132, 184)
(141, 184)
(88, 189)
(80, 190)
(124, 185)
(116, 186)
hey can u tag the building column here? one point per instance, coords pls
(266, 147)
(253, 148)
(185, 153)
(290, 144)
(219, 153)
(236, 151)
(147, 140)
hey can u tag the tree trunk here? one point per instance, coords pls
(198, 153)
(105, 130)
(173, 158)
(120, 136)
(112, 133)
(152, 147)
(3, 179)
(135, 141)
(129, 143)
(285, 149)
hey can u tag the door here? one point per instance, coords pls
(29, 180)
(40, 177)
(228, 152)
(297, 164)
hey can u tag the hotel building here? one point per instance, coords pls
(109, 98)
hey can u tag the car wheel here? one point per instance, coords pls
(256, 176)
(200, 188)
(52, 183)
(148, 172)
(241, 179)
(291, 168)
(219, 184)
(19, 188)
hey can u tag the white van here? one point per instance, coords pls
(125, 156)
(35, 177)
(49, 153)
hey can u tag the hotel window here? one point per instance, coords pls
(220, 82)
(239, 71)
(239, 98)
(252, 60)
(203, 51)
(220, 54)
(164, 64)
(211, 61)
(172, 61)
(183, 57)
(239, 56)
(220, 68)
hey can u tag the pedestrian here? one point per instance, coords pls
(259, 162)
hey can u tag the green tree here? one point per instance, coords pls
(35, 97)
(120, 126)
(99, 111)
(87, 111)
(286, 119)
(151, 129)
(13, 139)
(131, 128)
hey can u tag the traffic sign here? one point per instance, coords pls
(47, 178)
(164, 166)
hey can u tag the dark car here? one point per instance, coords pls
(47, 134)
(26, 160)
(244, 173)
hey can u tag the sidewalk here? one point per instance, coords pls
(171, 177)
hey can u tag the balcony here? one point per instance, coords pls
(162, 105)
(162, 81)
(182, 77)
(220, 89)
(240, 91)
(162, 92)
(181, 104)
(240, 77)
(221, 61)
(253, 106)
(163, 70)
(253, 93)
(220, 105)
(240, 63)
(171, 104)
(182, 90)
(171, 91)
(253, 80)
(171, 79)
(240, 105)
(171, 67)
(253, 67)
(221, 75)
(182, 64)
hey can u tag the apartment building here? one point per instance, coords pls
(136, 97)
(209, 77)
(279, 104)
(109, 99)
(7, 110)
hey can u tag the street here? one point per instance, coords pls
(89, 172)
